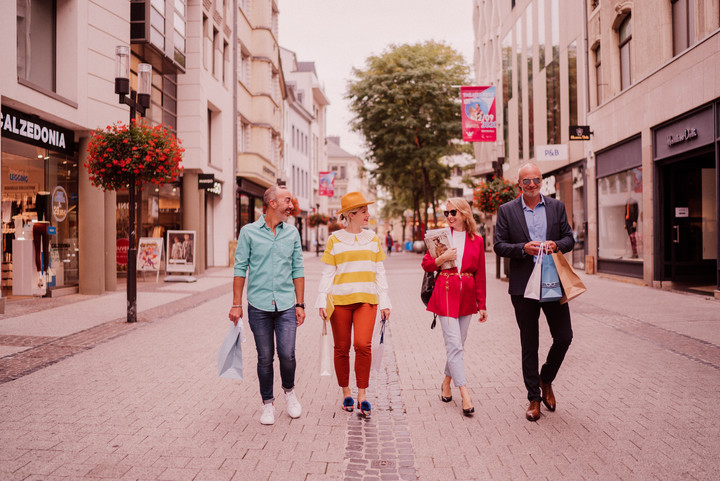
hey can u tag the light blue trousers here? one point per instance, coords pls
(455, 332)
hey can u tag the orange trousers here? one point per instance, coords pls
(360, 318)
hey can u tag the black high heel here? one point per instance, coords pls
(443, 398)
(469, 412)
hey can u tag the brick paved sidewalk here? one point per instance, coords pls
(635, 398)
(636, 394)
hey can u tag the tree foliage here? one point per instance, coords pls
(406, 105)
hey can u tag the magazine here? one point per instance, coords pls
(438, 241)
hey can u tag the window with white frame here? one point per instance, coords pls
(625, 44)
(683, 22)
(36, 44)
(598, 74)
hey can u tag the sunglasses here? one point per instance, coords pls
(536, 180)
(449, 213)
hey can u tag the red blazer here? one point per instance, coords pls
(454, 295)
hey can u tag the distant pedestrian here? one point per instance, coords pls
(389, 242)
(354, 281)
(459, 293)
(522, 225)
(269, 250)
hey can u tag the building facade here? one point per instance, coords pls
(654, 108)
(217, 82)
(205, 123)
(303, 111)
(260, 95)
(642, 75)
(59, 79)
(350, 176)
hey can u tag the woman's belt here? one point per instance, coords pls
(462, 274)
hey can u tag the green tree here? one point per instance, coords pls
(407, 106)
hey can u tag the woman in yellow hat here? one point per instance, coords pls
(352, 287)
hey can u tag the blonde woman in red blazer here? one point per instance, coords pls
(458, 294)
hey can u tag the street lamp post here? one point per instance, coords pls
(138, 101)
(317, 232)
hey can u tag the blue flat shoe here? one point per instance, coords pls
(348, 404)
(364, 408)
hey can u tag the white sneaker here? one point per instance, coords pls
(294, 409)
(268, 414)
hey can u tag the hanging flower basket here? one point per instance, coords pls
(296, 207)
(489, 196)
(116, 153)
(333, 226)
(317, 219)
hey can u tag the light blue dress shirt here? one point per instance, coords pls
(536, 220)
(271, 261)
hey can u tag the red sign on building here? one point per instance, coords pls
(478, 114)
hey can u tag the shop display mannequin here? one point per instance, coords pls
(631, 217)
(41, 236)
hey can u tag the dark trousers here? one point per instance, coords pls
(527, 314)
(41, 238)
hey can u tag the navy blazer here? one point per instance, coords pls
(511, 234)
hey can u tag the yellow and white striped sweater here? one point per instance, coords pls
(354, 272)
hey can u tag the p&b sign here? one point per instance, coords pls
(551, 152)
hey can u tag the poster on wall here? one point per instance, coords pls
(478, 114)
(149, 254)
(327, 184)
(180, 251)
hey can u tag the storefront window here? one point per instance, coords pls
(38, 187)
(578, 216)
(160, 211)
(251, 209)
(620, 213)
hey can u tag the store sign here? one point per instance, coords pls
(215, 189)
(682, 212)
(551, 152)
(684, 136)
(580, 132)
(59, 204)
(32, 130)
(206, 181)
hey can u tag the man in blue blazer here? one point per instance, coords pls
(522, 224)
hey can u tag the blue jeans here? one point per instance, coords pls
(267, 327)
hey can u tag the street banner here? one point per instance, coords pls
(327, 184)
(478, 114)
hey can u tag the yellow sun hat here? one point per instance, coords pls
(352, 200)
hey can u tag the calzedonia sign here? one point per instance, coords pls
(32, 130)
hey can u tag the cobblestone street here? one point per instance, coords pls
(84, 395)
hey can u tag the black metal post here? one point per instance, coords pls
(317, 232)
(132, 257)
(132, 251)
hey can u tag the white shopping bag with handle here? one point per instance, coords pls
(230, 353)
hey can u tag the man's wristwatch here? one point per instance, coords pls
(302, 305)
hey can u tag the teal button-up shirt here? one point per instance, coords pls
(271, 261)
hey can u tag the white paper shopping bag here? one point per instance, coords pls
(230, 353)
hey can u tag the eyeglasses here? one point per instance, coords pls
(449, 213)
(536, 180)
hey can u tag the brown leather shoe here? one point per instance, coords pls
(548, 396)
(533, 411)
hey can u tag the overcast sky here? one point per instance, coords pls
(339, 34)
